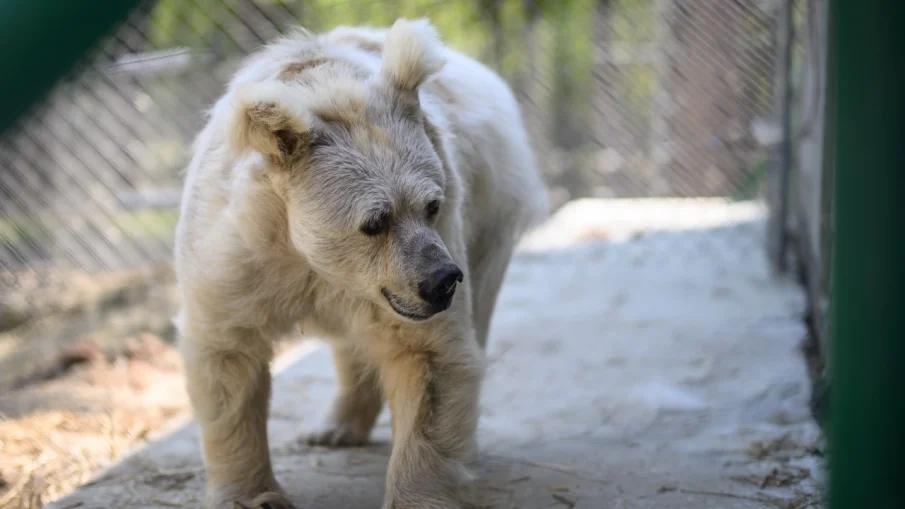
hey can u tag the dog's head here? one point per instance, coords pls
(360, 170)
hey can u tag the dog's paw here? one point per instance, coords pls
(338, 434)
(415, 503)
(264, 500)
(267, 500)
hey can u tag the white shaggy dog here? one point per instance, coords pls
(370, 185)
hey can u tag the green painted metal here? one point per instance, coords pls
(42, 40)
(867, 430)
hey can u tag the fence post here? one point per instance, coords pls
(41, 41)
(660, 149)
(778, 180)
(823, 286)
(867, 442)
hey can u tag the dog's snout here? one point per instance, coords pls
(438, 288)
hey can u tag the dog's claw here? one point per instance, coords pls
(338, 435)
(266, 500)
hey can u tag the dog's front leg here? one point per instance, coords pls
(433, 386)
(228, 381)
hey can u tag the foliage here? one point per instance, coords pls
(487, 29)
(563, 49)
(754, 181)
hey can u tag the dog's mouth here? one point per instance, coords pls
(399, 305)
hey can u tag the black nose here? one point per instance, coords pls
(439, 287)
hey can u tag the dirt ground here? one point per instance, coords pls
(88, 372)
(57, 432)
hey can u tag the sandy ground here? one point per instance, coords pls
(642, 355)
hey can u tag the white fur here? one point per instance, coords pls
(412, 53)
(287, 107)
(268, 240)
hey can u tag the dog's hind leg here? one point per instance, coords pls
(356, 406)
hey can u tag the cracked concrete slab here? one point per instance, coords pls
(652, 364)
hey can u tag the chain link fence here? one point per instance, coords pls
(623, 99)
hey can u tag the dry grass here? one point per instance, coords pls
(54, 435)
(48, 454)
(78, 386)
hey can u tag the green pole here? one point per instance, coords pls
(42, 40)
(867, 430)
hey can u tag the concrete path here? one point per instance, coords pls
(642, 357)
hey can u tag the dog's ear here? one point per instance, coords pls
(412, 53)
(272, 119)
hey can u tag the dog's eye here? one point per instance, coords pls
(433, 208)
(376, 225)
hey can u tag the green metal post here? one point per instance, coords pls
(867, 428)
(42, 40)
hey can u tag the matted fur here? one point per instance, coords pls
(317, 139)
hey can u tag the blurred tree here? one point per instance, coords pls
(605, 119)
(491, 13)
(529, 85)
(713, 76)
(571, 79)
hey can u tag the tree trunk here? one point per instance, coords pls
(710, 82)
(531, 92)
